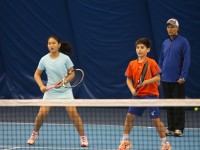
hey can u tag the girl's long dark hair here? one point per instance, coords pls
(65, 47)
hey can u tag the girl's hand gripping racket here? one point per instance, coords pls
(71, 80)
(142, 76)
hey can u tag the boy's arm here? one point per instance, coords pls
(154, 79)
(129, 83)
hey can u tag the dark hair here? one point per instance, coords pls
(65, 47)
(144, 41)
(55, 37)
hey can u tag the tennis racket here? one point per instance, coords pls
(70, 80)
(143, 74)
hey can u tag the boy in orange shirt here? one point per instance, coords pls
(147, 90)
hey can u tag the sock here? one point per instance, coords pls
(82, 137)
(163, 140)
(125, 136)
(36, 132)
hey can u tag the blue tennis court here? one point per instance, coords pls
(103, 126)
(101, 137)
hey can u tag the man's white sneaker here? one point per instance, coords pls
(169, 133)
(178, 133)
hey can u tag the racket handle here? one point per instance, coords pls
(50, 87)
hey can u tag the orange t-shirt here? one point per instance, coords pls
(134, 71)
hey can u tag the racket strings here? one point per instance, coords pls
(76, 80)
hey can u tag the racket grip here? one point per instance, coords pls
(50, 87)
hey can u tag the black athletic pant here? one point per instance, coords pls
(175, 115)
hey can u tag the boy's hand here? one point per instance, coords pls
(143, 83)
(134, 92)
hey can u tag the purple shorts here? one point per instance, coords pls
(154, 112)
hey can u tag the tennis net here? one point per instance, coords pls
(103, 124)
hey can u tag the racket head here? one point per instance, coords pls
(78, 78)
(143, 73)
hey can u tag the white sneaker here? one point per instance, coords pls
(166, 146)
(178, 133)
(125, 145)
(33, 138)
(169, 133)
(84, 141)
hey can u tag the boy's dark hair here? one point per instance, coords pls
(65, 48)
(144, 41)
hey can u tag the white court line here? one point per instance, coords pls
(49, 124)
(51, 148)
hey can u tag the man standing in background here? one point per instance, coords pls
(174, 62)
